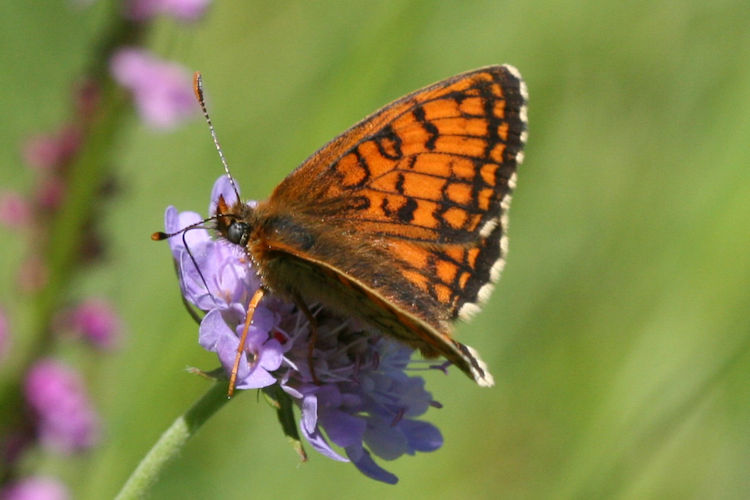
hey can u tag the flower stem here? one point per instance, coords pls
(67, 226)
(172, 441)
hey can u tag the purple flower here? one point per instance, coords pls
(185, 10)
(94, 320)
(231, 285)
(162, 90)
(65, 418)
(361, 400)
(365, 397)
(35, 488)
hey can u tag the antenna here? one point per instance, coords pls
(198, 89)
(161, 235)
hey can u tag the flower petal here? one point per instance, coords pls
(385, 440)
(422, 436)
(343, 428)
(317, 441)
(363, 461)
(223, 187)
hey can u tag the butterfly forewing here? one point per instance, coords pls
(430, 176)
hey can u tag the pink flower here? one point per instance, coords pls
(15, 211)
(35, 488)
(65, 418)
(162, 91)
(96, 321)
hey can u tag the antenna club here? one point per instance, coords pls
(159, 236)
(198, 86)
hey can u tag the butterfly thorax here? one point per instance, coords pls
(266, 234)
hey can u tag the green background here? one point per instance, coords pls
(619, 333)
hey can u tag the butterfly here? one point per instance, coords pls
(401, 220)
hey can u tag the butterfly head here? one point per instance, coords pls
(234, 223)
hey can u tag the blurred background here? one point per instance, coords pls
(619, 333)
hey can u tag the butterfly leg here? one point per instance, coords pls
(313, 336)
(254, 301)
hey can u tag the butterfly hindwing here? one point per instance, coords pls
(365, 291)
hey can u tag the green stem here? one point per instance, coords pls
(172, 441)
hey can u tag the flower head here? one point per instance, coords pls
(364, 400)
(162, 90)
(360, 399)
(65, 418)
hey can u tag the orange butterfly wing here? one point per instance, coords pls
(405, 213)
(430, 177)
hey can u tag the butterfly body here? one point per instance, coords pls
(400, 221)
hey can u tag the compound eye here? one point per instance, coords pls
(238, 233)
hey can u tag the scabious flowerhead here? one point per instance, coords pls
(65, 418)
(162, 90)
(360, 399)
